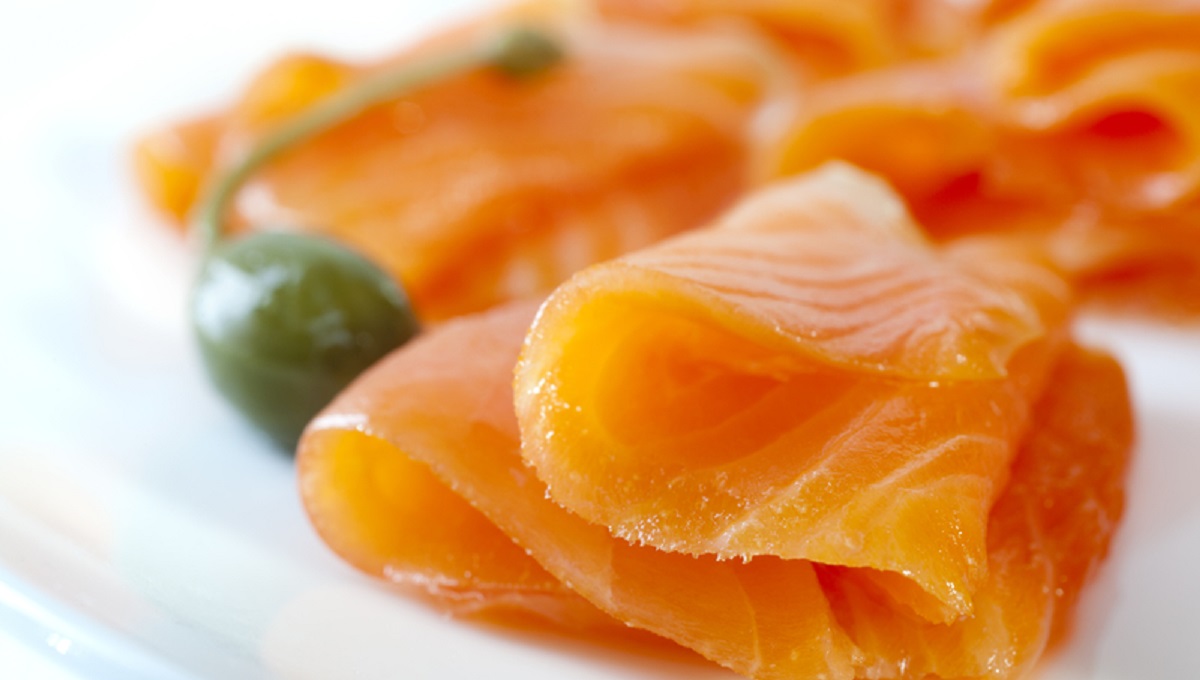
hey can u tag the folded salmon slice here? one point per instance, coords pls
(391, 517)
(438, 409)
(481, 189)
(431, 433)
(828, 39)
(445, 402)
(810, 379)
(1047, 535)
(1109, 88)
(1091, 100)
(1071, 123)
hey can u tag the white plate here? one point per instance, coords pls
(146, 533)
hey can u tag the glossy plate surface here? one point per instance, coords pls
(146, 533)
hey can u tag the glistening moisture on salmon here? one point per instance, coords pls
(744, 324)
(694, 461)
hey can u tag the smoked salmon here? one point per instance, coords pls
(445, 402)
(827, 39)
(1071, 122)
(440, 413)
(750, 367)
(481, 189)
(841, 432)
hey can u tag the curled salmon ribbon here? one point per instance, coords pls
(480, 189)
(1069, 121)
(805, 442)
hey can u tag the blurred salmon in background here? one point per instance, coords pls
(480, 190)
(1065, 120)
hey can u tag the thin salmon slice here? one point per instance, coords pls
(432, 432)
(1072, 123)
(445, 402)
(439, 406)
(1110, 87)
(828, 39)
(1047, 536)
(482, 189)
(810, 379)
(391, 517)
(825, 39)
